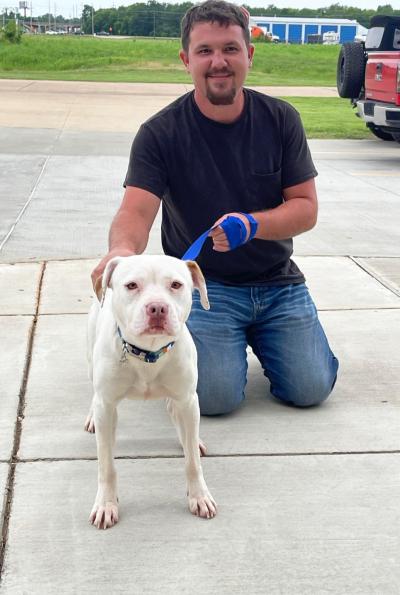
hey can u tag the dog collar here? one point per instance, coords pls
(149, 357)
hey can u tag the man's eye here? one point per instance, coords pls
(231, 49)
(176, 285)
(132, 285)
(204, 51)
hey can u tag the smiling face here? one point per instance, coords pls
(218, 60)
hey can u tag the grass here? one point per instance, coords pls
(149, 60)
(329, 117)
(157, 61)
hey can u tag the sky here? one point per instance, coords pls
(72, 8)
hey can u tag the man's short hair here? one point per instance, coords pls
(214, 11)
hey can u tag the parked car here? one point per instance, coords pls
(369, 74)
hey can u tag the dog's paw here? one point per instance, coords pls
(89, 424)
(104, 517)
(202, 448)
(203, 506)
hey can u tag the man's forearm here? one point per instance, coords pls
(128, 234)
(286, 221)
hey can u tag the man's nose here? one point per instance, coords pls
(218, 60)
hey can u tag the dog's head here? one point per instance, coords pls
(152, 295)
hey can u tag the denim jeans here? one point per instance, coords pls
(281, 325)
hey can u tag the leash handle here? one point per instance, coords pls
(234, 229)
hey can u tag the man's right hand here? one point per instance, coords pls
(97, 273)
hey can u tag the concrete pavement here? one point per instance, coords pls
(308, 499)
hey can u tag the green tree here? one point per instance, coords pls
(11, 32)
(87, 18)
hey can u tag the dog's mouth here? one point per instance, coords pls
(156, 326)
(155, 330)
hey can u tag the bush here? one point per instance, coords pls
(11, 33)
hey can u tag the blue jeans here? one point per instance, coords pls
(281, 325)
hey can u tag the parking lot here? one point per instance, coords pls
(308, 499)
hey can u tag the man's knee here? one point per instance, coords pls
(306, 394)
(220, 399)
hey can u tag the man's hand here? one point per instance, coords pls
(221, 243)
(97, 273)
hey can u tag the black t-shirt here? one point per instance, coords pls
(202, 169)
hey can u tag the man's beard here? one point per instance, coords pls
(224, 98)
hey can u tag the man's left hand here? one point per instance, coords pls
(220, 241)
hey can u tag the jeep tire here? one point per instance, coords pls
(396, 136)
(350, 70)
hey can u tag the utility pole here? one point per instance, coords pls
(49, 16)
(92, 21)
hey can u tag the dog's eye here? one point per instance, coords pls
(132, 285)
(176, 285)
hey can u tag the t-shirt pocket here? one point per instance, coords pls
(265, 190)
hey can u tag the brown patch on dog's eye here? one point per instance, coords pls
(176, 285)
(132, 285)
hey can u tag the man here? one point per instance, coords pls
(224, 150)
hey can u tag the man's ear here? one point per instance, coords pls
(184, 57)
(199, 282)
(250, 50)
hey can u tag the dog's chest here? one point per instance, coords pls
(146, 383)
(146, 391)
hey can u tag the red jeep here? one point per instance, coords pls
(369, 74)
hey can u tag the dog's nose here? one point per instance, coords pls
(157, 309)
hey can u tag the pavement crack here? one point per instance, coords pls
(13, 461)
(231, 455)
(26, 205)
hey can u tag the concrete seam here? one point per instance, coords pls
(13, 461)
(346, 309)
(367, 270)
(213, 456)
(22, 211)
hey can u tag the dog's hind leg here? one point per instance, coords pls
(171, 411)
(89, 422)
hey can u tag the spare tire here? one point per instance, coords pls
(350, 70)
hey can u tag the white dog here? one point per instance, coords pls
(140, 348)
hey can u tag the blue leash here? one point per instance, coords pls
(234, 229)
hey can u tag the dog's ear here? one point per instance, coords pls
(98, 287)
(199, 282)
(108, 271)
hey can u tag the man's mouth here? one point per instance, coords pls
(218, 75)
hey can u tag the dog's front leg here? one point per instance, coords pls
(105, 509)
(186, 415)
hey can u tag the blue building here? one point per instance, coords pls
(298, 30)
